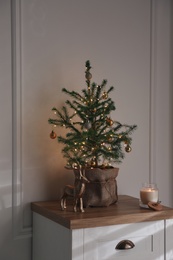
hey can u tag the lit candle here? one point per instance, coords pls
(149, 192)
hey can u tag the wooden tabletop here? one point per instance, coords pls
(126, 210)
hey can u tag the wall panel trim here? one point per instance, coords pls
(152, 116)
(19, 230)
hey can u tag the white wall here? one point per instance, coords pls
(129, 43)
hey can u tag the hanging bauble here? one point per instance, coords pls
(105, 95)
(74, 165)
(109, 121)
(128, 148)
(93, 162)
(109, 138)
(87, 125)
(103, 165)
(53, 135)
(88, 75)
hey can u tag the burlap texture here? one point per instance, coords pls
(101, 191)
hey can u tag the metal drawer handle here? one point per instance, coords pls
(125, 244)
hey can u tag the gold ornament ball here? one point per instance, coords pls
(74, 165)
(53, 135)
(87, 125)
(128, 148)
(109, 138)
(109, 121)
(88, 75)
(93, 163)
(105, 95)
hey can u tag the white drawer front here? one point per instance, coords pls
(148, 238)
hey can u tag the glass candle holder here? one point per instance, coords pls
(148, 193)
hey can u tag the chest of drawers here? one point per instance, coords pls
(95, 234)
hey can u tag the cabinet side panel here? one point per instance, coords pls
(50, 240)
(168, 239)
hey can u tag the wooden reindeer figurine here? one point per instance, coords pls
(75, 191)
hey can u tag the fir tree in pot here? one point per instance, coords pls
(95, 142)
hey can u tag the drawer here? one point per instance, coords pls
(148, 238)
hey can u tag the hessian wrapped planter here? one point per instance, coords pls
(101, 191)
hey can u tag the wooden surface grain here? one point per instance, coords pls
(126, 210)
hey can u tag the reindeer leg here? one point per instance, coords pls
(65, 202)
(81, 205)
(75, 205)
(62, 203)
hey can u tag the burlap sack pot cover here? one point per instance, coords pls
(101, 191)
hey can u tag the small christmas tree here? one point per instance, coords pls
(94, 138)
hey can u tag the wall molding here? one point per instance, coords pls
(160, 99)
(19, 230)
(153, 83)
